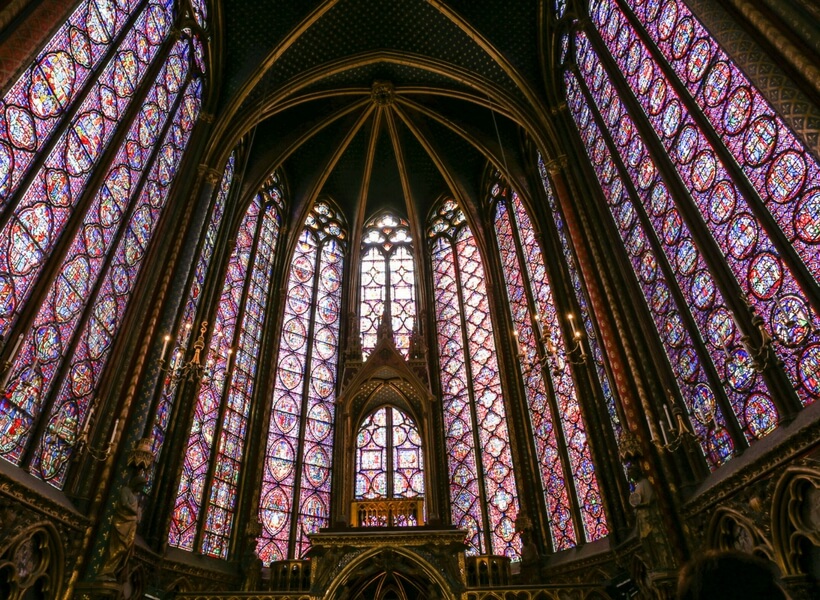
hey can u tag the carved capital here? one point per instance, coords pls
(556, 165)
(210, 175)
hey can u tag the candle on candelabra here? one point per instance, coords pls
(166, 339)
(114, 432)
(576, 334)
(518, 346)
(663, 433)
(16, 348)
(668, 417)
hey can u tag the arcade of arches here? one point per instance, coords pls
(406, 299)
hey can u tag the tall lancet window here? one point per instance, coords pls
(389, 459)
(567, 474)
(483, 493)
(186, 333)
(295, 495)
(203, 513)
(715, 199)
(91, 139)
(388, 281)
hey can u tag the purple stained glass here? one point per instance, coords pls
(183, 337)
(679, 344)
(302, 414)
(777, 164)
(236, 399)
(389, 458)
(42, 210)
(772, 159)
(66, 299)
(562, 529)
(37, 102)
(93, 342)
(387, 275)
(479, 457)
(523, 267)
(192, 485)
(371, 308)
(592, 338)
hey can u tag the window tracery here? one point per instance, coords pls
(545, 371)
(389, 456)
(483, 493)
(702, 141)
(295, 494)
(388, 279)
(206, 498)
(101, 54)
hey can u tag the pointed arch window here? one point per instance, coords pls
(746, 176)
(389, 456)
(387, 280)
(295, 494)
(597, 355)
(204, 509)
(483, 492)
(102, 201)
(184, 332)
(567, 473)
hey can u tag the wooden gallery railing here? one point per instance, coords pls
(392, 512)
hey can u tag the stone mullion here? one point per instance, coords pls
(801, 114)
(631, 365)
(777, 382)
(524, 456)
(438, 452)
(604, 448)
(788, 404)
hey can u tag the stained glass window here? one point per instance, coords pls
(771, 159)
(580, 296)
(476, 434)
(184, 338)
(103, 201)
(746, 168)
(295, 494)
(546, 372)
(389, 458)
(387, 280)
(213, 458)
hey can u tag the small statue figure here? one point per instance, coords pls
(649, 523)
(530, 559)
(123, 529)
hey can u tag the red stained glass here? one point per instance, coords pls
(476, 434)
(302, 415)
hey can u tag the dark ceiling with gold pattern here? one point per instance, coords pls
(379, 103)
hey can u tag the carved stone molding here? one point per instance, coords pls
(796, 518)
